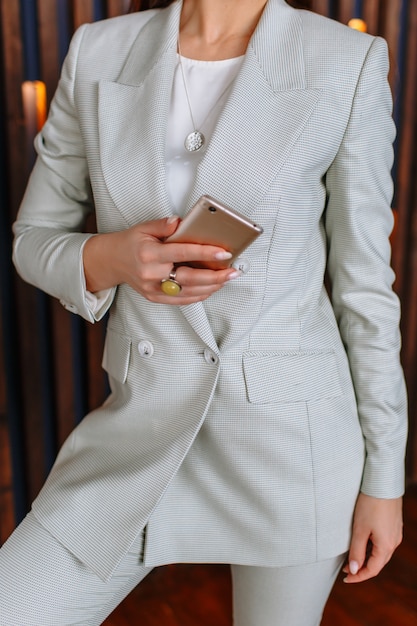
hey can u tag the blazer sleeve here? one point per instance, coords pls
(359, 221)
(49, 241)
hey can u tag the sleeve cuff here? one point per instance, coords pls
(98, 303)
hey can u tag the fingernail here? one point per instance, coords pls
(172, 219)
(353, 567)
(223, 256)
(234, 274)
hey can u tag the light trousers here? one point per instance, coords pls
(42, 584)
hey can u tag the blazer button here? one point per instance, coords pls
(241, 264)
(69, 307)
(145, 349)
(210, 357)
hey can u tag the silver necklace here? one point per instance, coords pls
(195, 140)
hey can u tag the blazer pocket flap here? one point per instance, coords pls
(291, 377)
(116, 355)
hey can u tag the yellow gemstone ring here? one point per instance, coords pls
(170, 286)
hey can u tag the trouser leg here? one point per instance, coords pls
(41, 583)
(283, 596)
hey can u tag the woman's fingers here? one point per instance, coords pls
(160, 229)
(150, 250)
(192, 277)
(151, 247)
(155, 260)
(196, 285)
(371, 567)
(139, 257)
(377, 531)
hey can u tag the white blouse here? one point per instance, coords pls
(208, 84)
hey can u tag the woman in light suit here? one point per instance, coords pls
(253, 419)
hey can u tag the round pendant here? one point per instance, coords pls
(194, 141)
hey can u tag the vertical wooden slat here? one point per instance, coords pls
(321, 6)
(45, 445)
(358, 9)
(30, 384)
(63, 380)
(391, 30)
(29, 301)
(98, 386)
(346, 11)
(405, 250)
(406, 152)
(49, 44)
(6, 410)
(117, 7)
(2, 369)
(7, 518)
(83, 12)
(62, 385)
(14, 137)
(370, 14)
(10, 414)
(13, 77)
(410, 360)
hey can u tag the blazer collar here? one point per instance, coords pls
(278, 46)
(157, 38)
(277, 36)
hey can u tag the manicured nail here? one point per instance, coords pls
(353, 567)
(234, 275)
(223, 256)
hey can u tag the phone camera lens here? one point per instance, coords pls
(212, 209)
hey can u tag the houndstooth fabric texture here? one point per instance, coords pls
(44, 584)
(246, 432)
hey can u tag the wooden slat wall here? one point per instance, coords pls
(50, 371)
(405, 250)
(13, 181)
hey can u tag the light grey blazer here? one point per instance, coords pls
(239, 429)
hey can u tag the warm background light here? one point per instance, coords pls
(358, 24)
(34, 105)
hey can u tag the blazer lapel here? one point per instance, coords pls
(197, 318)
(132, 121)
(266, 111)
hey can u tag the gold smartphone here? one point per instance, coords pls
(212, 222)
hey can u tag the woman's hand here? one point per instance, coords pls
(377, 531)
(139, 257)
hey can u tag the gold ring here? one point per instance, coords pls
(170, 286)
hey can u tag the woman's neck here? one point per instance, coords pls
(212, 30)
